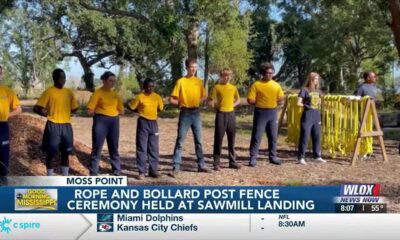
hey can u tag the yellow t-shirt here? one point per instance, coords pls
(224, 96)
(8, 100)
(189, 91)
(147, 105)
(59, 103)
(106, 102)
(266, 94)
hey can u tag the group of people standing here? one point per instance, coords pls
(57, 103)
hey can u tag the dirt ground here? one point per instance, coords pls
(27, 159)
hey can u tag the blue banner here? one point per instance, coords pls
(169, 199)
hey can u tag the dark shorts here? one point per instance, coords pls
(4, 148)
(58, 137)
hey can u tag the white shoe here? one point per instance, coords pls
(302, 161)
(319, 160)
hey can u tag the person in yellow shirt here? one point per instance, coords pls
(147, 104)
(105, 105)
(224, 98)
(266, 94)
(9, 107)
(188, 94)
(57, 103)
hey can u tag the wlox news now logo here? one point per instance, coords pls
(360, 190)
(105, 222)
(360, 193)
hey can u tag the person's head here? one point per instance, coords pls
(108, 79)
(148, 85)
(369, 77)
(59, 78)
(191, 66)
(225, 76)
(313, 81)
(267, 70)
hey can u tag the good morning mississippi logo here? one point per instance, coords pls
(35, 199)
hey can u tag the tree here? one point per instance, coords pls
(28, 51)
(228, 45)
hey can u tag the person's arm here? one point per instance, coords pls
(211, 103)
(160, 104)
(92, 104)
(251, 101)
(40, 110)
(281, 96)
(133, 104)
(40, 106)
(212, 97)
(203, 94)
(174, 100)
(120, 106)
(300, 102)
(252, 94)
(236, 102)
(74, 103)
(90, 111)
(15, 106)
(15, 112)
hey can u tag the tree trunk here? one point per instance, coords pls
(192, 35)
(395, 25)
(120, 77)
(88, 76)
(206, 59)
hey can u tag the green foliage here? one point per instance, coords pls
(28, 53)
(228, 47)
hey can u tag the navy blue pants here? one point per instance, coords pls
(224, 122)
(264, 120)
(147, 138)
(4, 148)
(310, 123)
(105, 127)
(188, 118)
(57, 137)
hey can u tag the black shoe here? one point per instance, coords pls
(217, 168)
(154, 174)
(204, 170)
(234, 165)
(276, 162)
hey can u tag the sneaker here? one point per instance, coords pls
(234, 165)
(276, 162)
(154, 174)
(319, 160)
(302, 161)
(141, 176)
(217, 168)
(204, 170)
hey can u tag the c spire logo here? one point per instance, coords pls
(5, 225)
